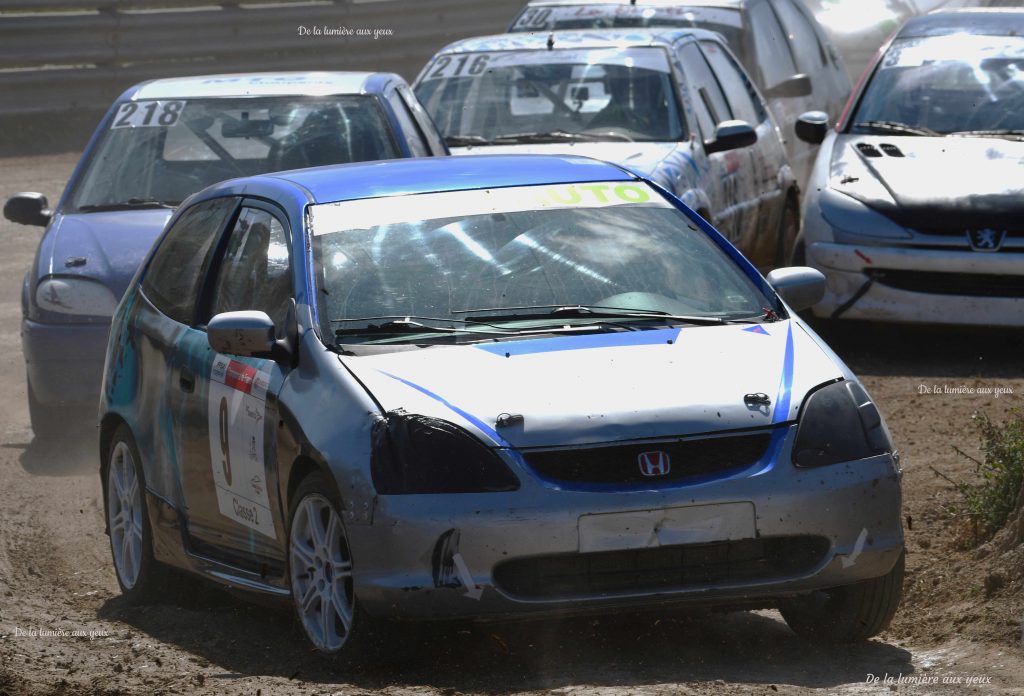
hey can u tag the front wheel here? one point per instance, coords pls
(789, 228)
(142, 578)
(320, 569)
(850, 613)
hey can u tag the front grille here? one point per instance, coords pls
(961, 232)
(620, 464)
(679, 567)
(963, 284)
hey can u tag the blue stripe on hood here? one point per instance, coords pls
(597, 340)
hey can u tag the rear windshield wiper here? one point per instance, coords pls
(130, 204)
(583, 312)
(895, 127)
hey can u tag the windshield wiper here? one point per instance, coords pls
(1015, 133)
(465, 140)
(130, 204)
(558, 136)
(896, 127)
(584, 312)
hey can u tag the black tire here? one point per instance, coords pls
(360, 630)
(47, 421)
(789, 229)
(152, 579)
(847, 614)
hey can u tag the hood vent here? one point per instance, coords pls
(868, 150)
(890, 149)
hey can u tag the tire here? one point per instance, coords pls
(789, 229)
(142, 578)
(47, 421)
(320, 571)
(847, 614)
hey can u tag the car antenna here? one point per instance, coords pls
(551, 41)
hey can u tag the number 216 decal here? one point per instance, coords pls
(148, 113)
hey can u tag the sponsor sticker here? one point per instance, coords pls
(142, 114)
(236, 424)
(375, 212)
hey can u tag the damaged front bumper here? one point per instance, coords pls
(914, 285)
(778, 531)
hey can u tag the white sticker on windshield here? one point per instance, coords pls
(473, 64)
(148, 113)
(393, 210)
(577, 15)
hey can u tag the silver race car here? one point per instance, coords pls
(482, 387)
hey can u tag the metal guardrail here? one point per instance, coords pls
(62, 55)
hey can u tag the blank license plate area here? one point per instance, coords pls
(693, 524)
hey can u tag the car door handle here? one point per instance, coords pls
(187, 380)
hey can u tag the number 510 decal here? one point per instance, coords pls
(237, 409)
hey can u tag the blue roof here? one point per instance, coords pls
(345, 182)
(989, 22)
(592, 38)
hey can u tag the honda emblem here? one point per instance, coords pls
(654, 463)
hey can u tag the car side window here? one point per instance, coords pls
(809, 53)
(707, 90)
(172, 280)
(255, 272)
(423, 121)
(771, 45)
(411, 132)
(743, 98)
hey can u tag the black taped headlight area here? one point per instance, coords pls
(417, 454)
(839, 423)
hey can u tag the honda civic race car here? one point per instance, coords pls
(485, 387)
(914, 212)
(160, 142)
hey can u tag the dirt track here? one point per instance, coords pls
(56, 575)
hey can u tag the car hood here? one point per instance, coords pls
(606, 387)
(113, 245)
(642, 158)
(947, 184)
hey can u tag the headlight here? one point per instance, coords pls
(75, 296)
(849, 217)
(416, 454)
(839, 423)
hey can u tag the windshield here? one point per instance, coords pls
(552, 96)
(516, 258)
(726, 21)
(160, 152)
(946, 84)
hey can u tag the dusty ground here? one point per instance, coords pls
(56, 575)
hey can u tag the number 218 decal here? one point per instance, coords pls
(148, 113)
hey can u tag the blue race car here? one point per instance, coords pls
(487, 386)
(160, 142)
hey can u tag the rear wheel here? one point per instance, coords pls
(141, 577)
(850, 613)
(320, 570)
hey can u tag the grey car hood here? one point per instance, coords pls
(642, 158)
(606, 387)
(950, 183)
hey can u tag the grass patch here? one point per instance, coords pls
(987, 502)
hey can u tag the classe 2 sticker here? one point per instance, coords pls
(142, 114)
(237, 408)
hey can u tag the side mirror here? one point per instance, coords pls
(798, 85)
(28, 208)
(247, 333)
(730, 135)
(812, 127)
(799, 286)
